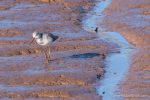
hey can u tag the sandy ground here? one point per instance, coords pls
(132, 19)
(69, 75)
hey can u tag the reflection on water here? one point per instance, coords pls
(117, 64)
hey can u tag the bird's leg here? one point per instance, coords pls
(49, 51)
(45, 53)
(46, 57)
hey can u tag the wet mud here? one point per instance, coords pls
(76, 58)
(131, 19)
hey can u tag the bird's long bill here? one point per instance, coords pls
(32, 41)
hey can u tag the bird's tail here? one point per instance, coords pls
(55, 37)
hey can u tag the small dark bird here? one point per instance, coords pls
(98, 76)
(96, 29)
(103, 92)
(44, 39)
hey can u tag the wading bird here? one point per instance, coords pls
(44, 39)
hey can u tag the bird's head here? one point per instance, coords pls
(34, 34)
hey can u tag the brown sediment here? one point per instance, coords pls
(131, 19)
(22, 72)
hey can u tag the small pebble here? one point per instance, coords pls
(96, 29)
(61, 75)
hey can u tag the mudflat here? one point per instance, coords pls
(76, 58)
(132, 19)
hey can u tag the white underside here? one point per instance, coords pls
(44, 41)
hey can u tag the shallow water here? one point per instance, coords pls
(85, 55)
(14, 38)
(15, 23)
(117, 64)
(13, 88)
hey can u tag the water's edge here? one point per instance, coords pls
(117, 64)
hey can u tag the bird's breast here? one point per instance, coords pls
(43, 41)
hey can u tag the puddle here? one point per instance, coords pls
(34, 71)
(117, 64)
(15, 23)
(10, 23)
(57, 71)
(23, 5)
(14, 88)
(85, 55)
(14, 38)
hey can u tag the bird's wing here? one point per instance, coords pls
(54, 37)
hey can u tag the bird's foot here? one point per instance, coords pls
(46, 62)
(49, 58)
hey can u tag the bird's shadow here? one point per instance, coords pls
(83, 55)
